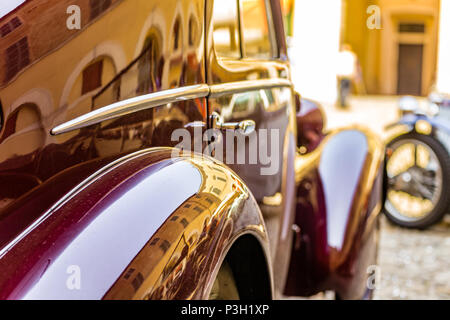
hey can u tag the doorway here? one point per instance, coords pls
(410, 69)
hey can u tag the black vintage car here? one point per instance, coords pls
(418, 163)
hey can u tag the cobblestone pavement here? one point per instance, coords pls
(413, 264)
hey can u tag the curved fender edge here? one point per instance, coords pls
(150, 227)
(339, 193)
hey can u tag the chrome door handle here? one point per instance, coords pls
(246, 126)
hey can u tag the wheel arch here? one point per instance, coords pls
(251, 268)
(178, 224)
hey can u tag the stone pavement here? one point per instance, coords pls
(414, 264)
(374, 112)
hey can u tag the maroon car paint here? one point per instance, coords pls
(110, 222)
(337, 211)
(47, 223)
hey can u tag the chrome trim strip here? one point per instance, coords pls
(86, 182)
(160, 98)
(132, 105)
(247, 85)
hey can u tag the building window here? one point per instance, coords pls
(147, 67)
(256, 30)
(411, 28)
(176, 34)
(5, 29)
(10, 26)
(192, 31)
(92, 77)
(10, 127)
(24, 119)
(226, 29)
(99, 6)
(17, 58)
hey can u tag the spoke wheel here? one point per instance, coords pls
(417, 174)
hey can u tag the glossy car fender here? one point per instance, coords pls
(339, 187)
(148, 226)
(438, 127)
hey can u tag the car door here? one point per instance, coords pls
(58, 73)
(249, 80)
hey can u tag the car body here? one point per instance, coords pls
(94, 204)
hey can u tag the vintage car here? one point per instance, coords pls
(99, 201)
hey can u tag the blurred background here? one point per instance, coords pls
(358, 58)
(402, 46)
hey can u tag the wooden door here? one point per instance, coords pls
(410, 63)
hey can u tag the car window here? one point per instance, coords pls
(226, 29)
(256, 29)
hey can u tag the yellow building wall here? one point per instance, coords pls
(443, 74)
(377, 49)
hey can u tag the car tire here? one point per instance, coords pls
(443, 204)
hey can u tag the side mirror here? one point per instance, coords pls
(310, 124)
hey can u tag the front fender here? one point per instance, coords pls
(149, 226)
(339, 196)
(438, 127)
